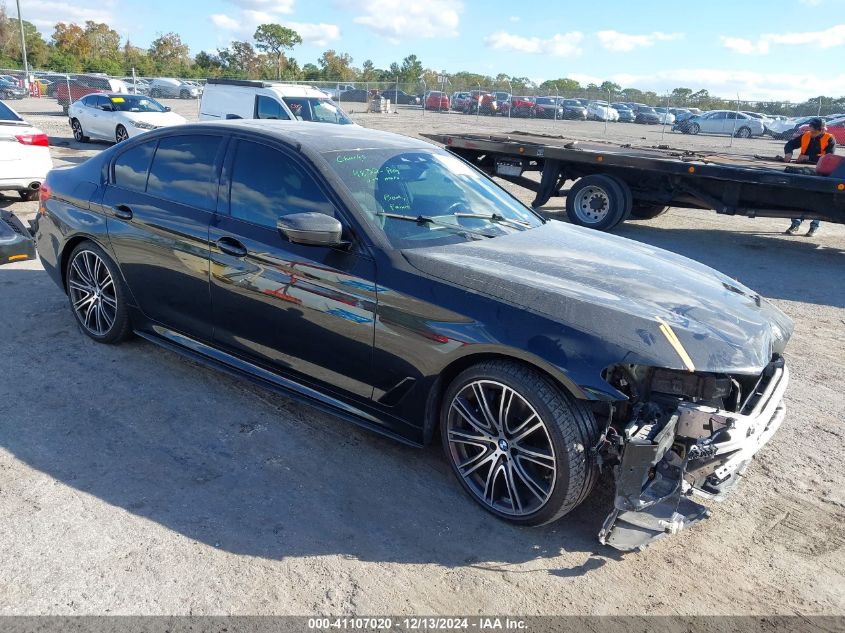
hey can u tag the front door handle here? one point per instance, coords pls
(231, 246)
(123, 212)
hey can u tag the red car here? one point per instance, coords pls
(482, 102)
(436, 100)
(81, 86)
(836, 127)
(519, 106)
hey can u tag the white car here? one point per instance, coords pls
(601, 111)
(170, 88)
(117, 117)
(666, 117)
(24, 155)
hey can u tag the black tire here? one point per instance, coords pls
(629, 202)
(695, 128)
(78, 132)
(744, 132)
(643, 211)
(596, 202)
(568, 428)
(120, 134)
(28, 195)
(155, 92)
(121, 327)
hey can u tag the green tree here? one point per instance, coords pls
(336, 66)
(368, 71)
(411, 69)
(310, 72)
(103, 41)
(680, 95)
(275, 39)
(169, 53)
(240, 60)
(610, 87)
(207, 63)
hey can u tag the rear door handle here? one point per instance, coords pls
(231, 246)
(123, 212)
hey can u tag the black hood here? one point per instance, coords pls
(619, 290)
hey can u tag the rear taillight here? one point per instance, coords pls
(44, 193)
(40, 140)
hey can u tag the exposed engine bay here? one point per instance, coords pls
(679, 436)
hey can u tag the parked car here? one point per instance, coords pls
(9, 90)
(400, 97)
(51, 83)
(82, 85)
(436, 100)
(572, 109)
(424, 302)
(722, 122)
(481, 102)
(681, 114)
(246, 99)
(118, 117)
(626, 114)
(459, 101)
(502, 98)
(646, 115)
(359, 95)
(666, 117)
(785, 128)
(24, 155)
(549, 108)
(170, 88)
(337, 90)
(601, 111)
(137, 86)
(519, 106)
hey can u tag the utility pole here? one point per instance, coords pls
(23, 48)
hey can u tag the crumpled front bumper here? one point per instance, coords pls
(655, 484)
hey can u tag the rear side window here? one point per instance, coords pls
(183, 168)
(269, 108)
(266, 185)
(131, 167)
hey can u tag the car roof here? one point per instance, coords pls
(318, 137)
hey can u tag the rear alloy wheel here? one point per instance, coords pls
(78, 134)
(517, 443)
(695, 128)
(120, 134)
(743, 132)
(597, 202)
(96, 294)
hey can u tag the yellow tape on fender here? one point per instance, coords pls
(675, 343)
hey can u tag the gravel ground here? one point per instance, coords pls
(133, 481)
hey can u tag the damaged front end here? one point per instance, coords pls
(682, 435)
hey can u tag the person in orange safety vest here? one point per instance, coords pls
(814, 143)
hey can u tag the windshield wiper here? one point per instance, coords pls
(495, 217)
(424, 219)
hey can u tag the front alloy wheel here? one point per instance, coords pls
(501, 448)
(517, 442)
(121, 134)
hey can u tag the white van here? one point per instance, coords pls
(242, 99)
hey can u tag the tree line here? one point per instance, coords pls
(96, 47)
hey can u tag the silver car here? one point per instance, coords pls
(723, 122)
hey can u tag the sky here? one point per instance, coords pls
(756, 49)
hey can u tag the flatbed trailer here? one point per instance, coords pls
(615, 182)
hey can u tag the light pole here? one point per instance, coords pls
(510, 101)
(23, 48)
(478, 103)
(425, 88)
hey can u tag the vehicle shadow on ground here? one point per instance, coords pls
(240, 468)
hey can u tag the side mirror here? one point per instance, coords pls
(167, 108)
(312, 229)
(229, 117)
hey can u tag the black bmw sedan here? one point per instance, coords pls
(389, 281)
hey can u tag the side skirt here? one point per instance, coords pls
(212, 357)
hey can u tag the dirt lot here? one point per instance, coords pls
(133, 481)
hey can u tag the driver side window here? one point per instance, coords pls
(269, 108)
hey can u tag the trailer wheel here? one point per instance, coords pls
(596, 202)
(629, 201)
(643, 211)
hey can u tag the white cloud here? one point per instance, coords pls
(559, 45)
(267, 6)
(45, 14)
(222, 21)
(319, 34)
(401, 21)
(827, 38)
(514, 18)
(625, 42)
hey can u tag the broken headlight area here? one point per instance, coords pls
(679, 436)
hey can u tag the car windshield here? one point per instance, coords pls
(394, 188)
(317, 109)
(545, 101)
(136, 103)
(6, 113)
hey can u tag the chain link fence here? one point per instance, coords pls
(497, 101)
